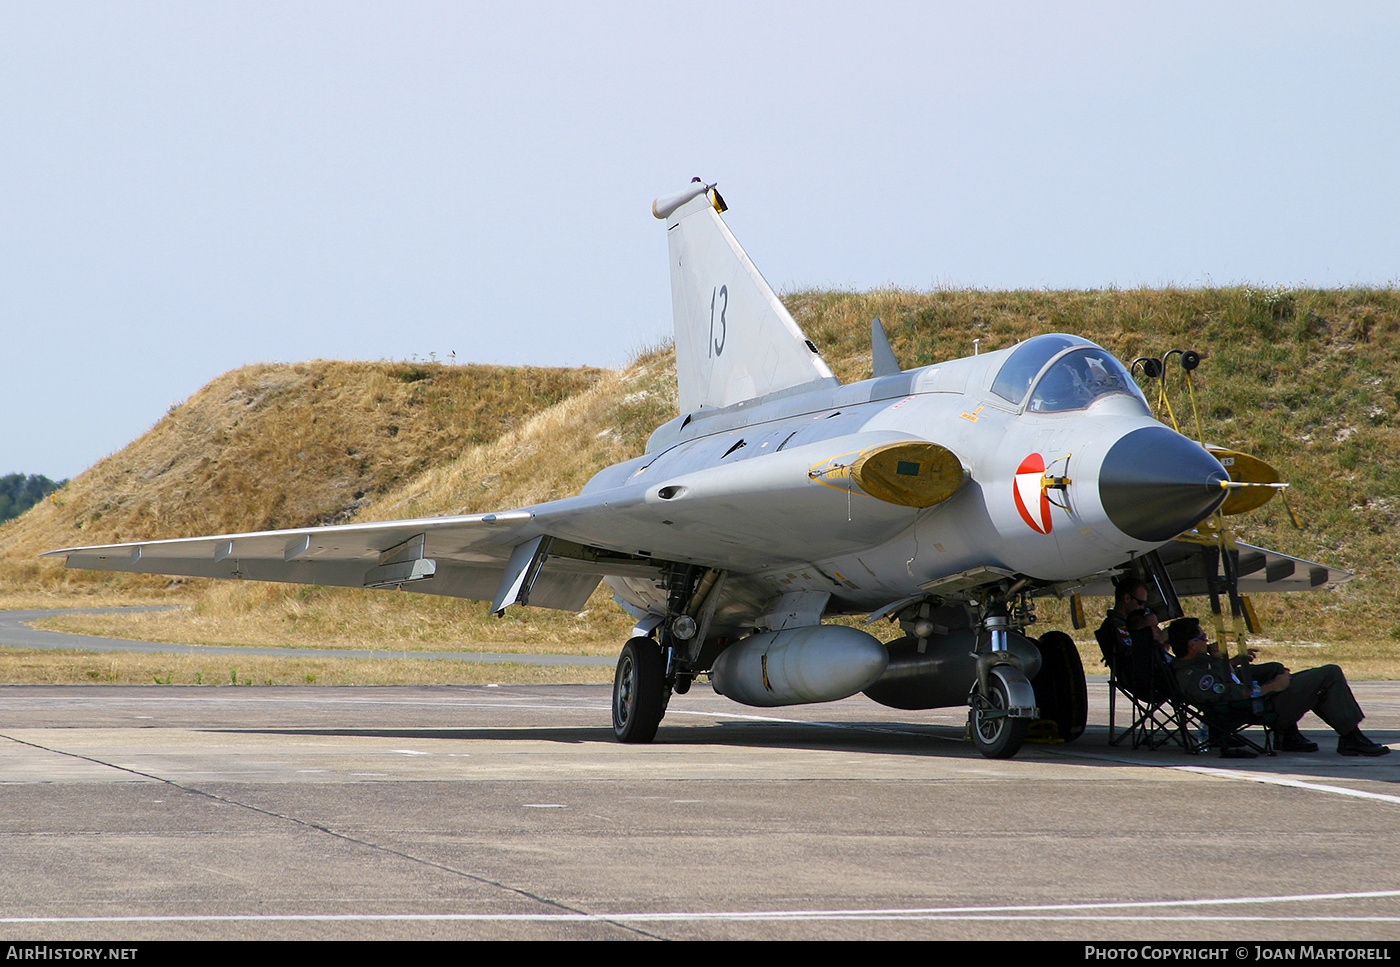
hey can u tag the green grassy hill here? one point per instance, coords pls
(1307, 380)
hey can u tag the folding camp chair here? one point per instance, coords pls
(1138, 671)
(1209, 687)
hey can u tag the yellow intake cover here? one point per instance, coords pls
(1243, 468)
(914, 474)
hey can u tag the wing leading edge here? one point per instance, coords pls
(506, 558)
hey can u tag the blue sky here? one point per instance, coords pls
(190, 187)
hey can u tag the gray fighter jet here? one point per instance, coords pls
(945, 498)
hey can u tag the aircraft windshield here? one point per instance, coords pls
(1079, 378)
(1018, 370)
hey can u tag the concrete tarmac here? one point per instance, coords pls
(149, 812)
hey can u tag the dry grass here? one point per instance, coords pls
(279, 616)
(1306, 379)
(22, 666)
(18, 599)
(552, 454)
(549, 455)
(266, 447)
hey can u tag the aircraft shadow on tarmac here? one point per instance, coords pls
(885, 738)
(877, 737)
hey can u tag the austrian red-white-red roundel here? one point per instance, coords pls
(1031, 499)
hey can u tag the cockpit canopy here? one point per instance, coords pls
(1072, 372)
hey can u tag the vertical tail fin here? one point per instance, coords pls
(734, 339)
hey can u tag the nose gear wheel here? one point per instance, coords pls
(995, 733)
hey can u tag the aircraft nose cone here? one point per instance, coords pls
(1155, 484)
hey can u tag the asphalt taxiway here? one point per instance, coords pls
(419, 812)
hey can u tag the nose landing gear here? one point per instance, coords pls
(996, 731)
(1002, 704)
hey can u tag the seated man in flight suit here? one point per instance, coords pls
(1322, 690)
(1129, 595)
(1114, 637)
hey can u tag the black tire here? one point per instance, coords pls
(639, 691)
(996, 737)
(1059, 686)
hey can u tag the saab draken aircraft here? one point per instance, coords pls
(945, 498)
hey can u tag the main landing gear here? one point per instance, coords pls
(639, 691)
(650, 669)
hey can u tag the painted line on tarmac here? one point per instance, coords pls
(1292, 783)
(693, 917)
(1236, 774)
(1061, 911)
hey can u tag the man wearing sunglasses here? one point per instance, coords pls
(1129, 597)
(1322, 690)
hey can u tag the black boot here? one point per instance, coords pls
(1289, 739)
(1354, 743)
